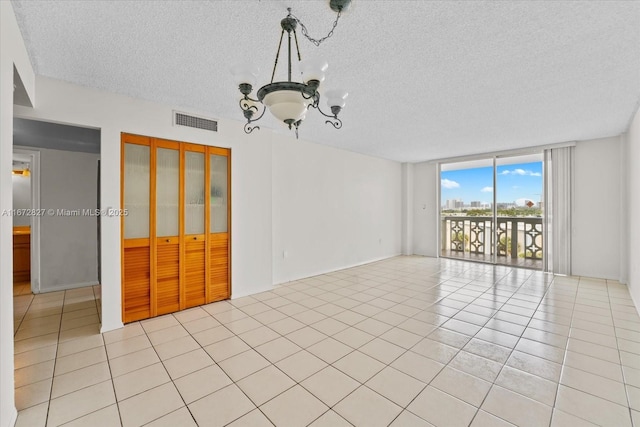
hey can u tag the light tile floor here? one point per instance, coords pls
(408, 341)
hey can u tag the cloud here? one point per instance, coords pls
(448, 184)
(487, 190)
(520, 172)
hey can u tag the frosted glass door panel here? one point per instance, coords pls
(136, 191)
(194, 193)
(219, 196)
(167, 192)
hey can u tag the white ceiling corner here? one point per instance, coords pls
(427, 79)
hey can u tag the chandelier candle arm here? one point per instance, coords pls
(289, 100)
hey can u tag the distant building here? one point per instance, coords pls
(454, 204)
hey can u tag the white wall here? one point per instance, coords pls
(331, 209)
(12, 54)
(425, 209)
(21, 198)
(347, 204)
(68, 244)
(596, 224)
(251, 177)
(633, 203)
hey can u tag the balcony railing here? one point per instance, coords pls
(519, 239)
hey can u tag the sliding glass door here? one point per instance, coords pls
(466, 210)
(491, 210)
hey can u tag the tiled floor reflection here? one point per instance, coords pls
(408, 341)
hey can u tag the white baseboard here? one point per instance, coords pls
(236, 295)
(333, 270)
(66, 287)
(106, 328)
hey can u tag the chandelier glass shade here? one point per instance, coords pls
(286, 105)
(289, 101)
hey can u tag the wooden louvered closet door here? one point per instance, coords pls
(194, 225)
(175, 238)
(219, 166)
(167, 226)
(136, 247)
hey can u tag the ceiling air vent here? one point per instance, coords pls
(182, 119)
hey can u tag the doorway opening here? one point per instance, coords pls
(21, 177)
(55, 201)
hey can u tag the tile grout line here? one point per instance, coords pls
(478, 408)
(55, 359)
(171, 380)
(624, 376)
(459, 349)
(233, 382)
(588, 372)
(566, 350)
(113, 386)
(23, 315)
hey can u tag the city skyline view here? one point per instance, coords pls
(516, 183)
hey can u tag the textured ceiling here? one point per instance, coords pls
(427, 79)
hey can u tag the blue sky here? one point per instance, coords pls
(516, 183)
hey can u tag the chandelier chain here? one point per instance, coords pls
(290, 109)
(311, 39)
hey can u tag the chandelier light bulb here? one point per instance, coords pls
(245, 73)
(313, 69)
(336, 98)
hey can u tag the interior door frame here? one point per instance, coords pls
(33, 157)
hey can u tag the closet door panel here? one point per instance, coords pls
(219, 214)
(195, 271)
(219, 200)
(137, 182)
(168, 277)
(219, 267)
(167, 219)
(136, 247)
(194, 223)
(194, 192)
(136, 289)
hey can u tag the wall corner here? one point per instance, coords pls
(407, 209)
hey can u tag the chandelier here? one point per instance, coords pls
(289, 101)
